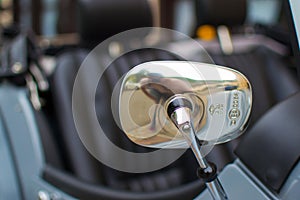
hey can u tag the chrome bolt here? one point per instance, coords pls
(186, 127)
(17, 68)
(43, 195)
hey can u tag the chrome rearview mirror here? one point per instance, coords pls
(219, 99)
(177, 104)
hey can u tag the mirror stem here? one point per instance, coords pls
(180, 116)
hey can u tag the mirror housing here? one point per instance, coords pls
(219, 100)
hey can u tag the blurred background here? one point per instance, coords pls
(251, 36)
(56, 18)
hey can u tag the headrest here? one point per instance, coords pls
(101, 19)
(220, 12)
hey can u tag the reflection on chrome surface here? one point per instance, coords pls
(220, 100)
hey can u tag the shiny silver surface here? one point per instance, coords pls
(182, 120)
(220, 99)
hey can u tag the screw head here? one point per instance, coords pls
(43, 195)
(186, 127)
(17, 68)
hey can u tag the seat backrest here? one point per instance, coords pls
(218, 12)
(79, 161)
(132, 14)
(99, 20)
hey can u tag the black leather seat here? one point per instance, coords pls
(78, 162)
(81, 166)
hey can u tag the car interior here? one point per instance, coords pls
(234, 33)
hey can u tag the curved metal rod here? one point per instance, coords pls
(181, 118)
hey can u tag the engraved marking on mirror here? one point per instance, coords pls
(234, 113)
(217, 109)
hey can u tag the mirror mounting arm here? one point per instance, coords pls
(179, 110)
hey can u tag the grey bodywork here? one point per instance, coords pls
(22, 160)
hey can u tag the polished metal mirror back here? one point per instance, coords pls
(219, 99)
